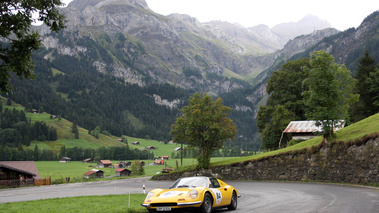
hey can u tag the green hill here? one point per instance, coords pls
(350, 134)
(85, 141)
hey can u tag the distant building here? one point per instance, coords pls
(150, 147)
(158, 162)
(165, 157)
(177, 148)
(307, 129)
(134, 143)
(104, 164)
(87, 160)
(94, 173)
(123, 172)
(65, 160)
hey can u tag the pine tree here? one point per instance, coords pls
(364, 75)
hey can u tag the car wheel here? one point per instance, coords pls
(233, 202)
(206, 207)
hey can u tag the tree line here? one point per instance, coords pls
(75, 153)
(17, 130)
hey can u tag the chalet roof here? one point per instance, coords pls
(308, 127)
(24, 166)
(90, 172)
(105, 161)
(65, 158)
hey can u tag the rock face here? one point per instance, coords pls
(126, 39)
(355, 163)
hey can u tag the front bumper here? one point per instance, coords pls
(149, 205)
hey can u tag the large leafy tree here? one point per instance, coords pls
(285, 102)
(204, 125)
(330, 91)
(18, 41)
(366, 80)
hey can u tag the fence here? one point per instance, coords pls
(39, 182)
(16, 183)
(24, 182)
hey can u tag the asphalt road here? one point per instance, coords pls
(258, 197)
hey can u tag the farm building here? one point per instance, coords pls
(307, 129)
(165, 157)
(150, 147)
(87, 160)
(177, 148)
(65, 160)
(123, 164)
(18, 173)
(104, 164)
(94, 173)
(158, 162)
(123, 172)
(134, 143)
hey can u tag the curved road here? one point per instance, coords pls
(256, 196)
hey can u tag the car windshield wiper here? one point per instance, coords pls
(182, 186)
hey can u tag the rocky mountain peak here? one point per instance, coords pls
(82, 4)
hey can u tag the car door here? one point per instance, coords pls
(221, 192)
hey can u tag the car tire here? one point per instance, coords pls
(206, 207)
(233, 202)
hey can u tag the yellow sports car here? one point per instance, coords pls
(202, 193)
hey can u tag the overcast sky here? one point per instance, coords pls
(341, 14)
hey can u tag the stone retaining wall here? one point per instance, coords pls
(356, 163)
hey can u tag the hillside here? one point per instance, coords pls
(350, 157)
(355, 133)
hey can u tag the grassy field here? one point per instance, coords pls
(75, 169)
(108, 203)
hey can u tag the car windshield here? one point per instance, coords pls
(190, 182)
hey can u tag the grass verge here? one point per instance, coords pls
(107, 203)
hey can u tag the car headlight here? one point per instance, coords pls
(149, 195)
(193, 194)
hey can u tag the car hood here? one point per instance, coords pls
(173, 195)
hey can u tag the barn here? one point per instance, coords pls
(94, 173)
(104, 164)
(123, 172)
(307, 129)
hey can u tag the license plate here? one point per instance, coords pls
(163, 208)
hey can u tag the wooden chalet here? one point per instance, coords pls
(94, 173)
(158, 162)
(123, 164)
(305, 130)
(104, 164)
(65, 160)
(18, 173)
(123, 172)
(165, 157)
(87, 160)
(135, 143)
(150, 147)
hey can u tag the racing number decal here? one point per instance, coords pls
(218, 195)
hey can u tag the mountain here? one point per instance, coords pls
(122, 67)
(124, 38)
(346, 47)
(280, 34)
